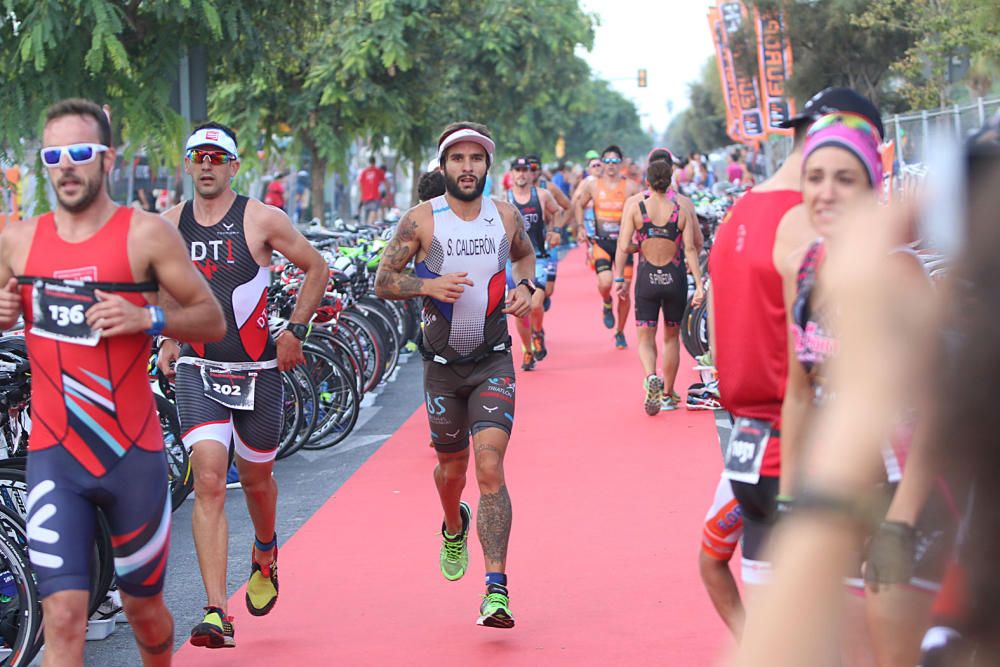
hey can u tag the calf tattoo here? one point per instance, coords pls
(493, 524)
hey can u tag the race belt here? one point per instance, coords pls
(231, 384)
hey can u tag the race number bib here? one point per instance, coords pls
(233, 389)
(60, 312)
(745, 451)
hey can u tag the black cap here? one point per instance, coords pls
(519, 162)
(832, 100)
(533, 158)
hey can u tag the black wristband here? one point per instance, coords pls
(891, 553)
(527, 283)
(812, 501)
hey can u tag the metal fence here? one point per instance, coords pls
(912, 132)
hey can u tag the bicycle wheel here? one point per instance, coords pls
(178, 460)
(342, 352)
(370, 340)
(338, 398)
(21, 613)
(687, 330)
(384, 323)
(312, 408)
(292, 416)
(13, 527)
(393, 311)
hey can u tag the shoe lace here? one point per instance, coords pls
(218, 612)
(496, 600)
(454, 547)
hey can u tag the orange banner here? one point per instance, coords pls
(726, 77)
(734, 16)
(774, 54)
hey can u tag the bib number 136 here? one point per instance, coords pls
(65, 315)
(60, 312)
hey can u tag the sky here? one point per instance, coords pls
(669, 38)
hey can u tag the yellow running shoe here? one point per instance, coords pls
(216, 631)
(262, 588)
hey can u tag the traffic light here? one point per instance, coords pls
(642, 77)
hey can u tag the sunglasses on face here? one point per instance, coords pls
(78, 153)
(534, 167)
(214, 157)
(520, 169)
(852, 121)
(593, 165)
(611, 160)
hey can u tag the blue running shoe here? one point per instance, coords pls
(609, 316)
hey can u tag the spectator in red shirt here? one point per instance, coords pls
(370, 182)
(275, 194)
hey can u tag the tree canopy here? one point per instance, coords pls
(326, 72)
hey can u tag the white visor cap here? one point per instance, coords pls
(212, 137)
(466, 135)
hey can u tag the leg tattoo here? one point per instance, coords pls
(493, 525)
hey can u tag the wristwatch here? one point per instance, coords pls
(300, 331)
(527, 283)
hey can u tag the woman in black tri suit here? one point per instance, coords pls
(657, 221)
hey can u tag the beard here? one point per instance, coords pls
(456, 191)
(88, 193)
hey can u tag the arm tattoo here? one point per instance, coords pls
(493, 524)
(520, 244)
(391, 281)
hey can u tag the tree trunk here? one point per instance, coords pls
(417, 167)
(317, 178)
(318, 183)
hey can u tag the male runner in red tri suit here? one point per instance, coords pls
(88, 274)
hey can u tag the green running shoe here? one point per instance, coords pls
(671, 401)
(455, 548)
(494, 612)
(216, 631)
(654, 395)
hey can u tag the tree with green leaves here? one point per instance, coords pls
(830, 49)
(116, 52)
(374, 69)
(940, 31)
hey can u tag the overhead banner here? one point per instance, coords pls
(725, 77)
(774, 54)
(751, 119)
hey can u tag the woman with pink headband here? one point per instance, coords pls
(842, 167)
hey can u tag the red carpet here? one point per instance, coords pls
(608, 505)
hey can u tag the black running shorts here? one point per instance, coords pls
(604, 256)
(467, 398)
(660, 288)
